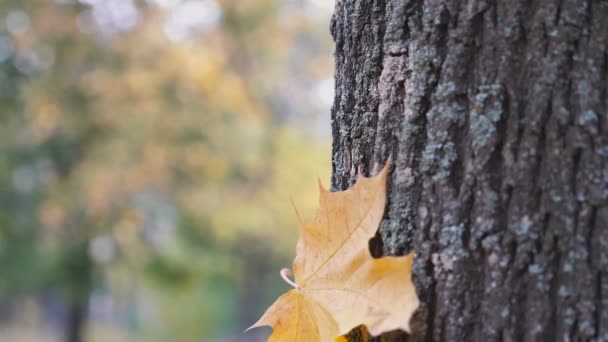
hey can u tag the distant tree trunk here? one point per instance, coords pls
(75, 271)
(496, 116)
(75, 322)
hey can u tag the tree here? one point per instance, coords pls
(494, 113)
(121, 179)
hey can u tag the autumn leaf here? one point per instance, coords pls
(338, 285)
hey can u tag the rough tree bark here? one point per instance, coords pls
(495, 113)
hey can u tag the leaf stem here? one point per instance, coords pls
(285, 274)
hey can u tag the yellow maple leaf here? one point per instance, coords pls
(338, 285)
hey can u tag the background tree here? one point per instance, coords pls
(148, 150)
(496, 117)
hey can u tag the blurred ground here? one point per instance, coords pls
(148, 154)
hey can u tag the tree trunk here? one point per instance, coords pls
(495, 114)
(76, 318)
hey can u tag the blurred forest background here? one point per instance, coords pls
(148, 154)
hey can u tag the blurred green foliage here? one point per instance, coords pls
(148, 153)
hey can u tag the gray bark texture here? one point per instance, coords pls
(495, 114)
